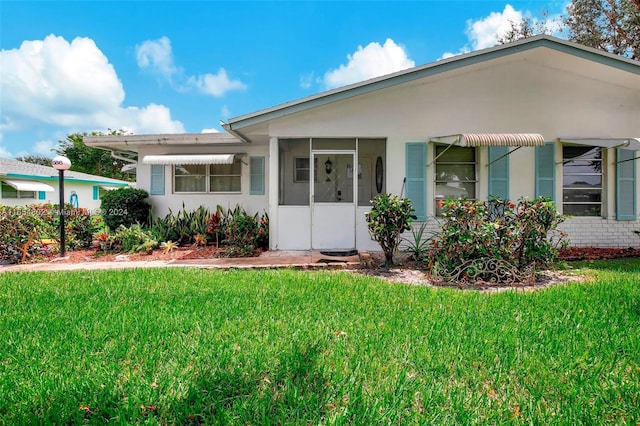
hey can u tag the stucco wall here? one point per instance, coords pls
(174, 201)
(84, 192)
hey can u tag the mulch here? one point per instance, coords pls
(593, 253)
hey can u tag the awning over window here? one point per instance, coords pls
(632, 144)
(28, 185)
(492, 139)
(189, 159)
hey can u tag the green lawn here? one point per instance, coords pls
(176, 346)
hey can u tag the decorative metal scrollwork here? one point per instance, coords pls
(487, 271)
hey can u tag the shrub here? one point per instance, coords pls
(521, 235)
(133, 239)
(389, 217)
(22, 229)
(20, 233)
(418, 245)
(182, 227)
(241, 233)
(125, 206)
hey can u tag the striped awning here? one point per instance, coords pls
(492, 139)
(189, 159)
(632, 144)
(28, 185)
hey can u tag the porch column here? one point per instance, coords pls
(274, 189)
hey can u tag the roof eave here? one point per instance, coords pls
(129, 142)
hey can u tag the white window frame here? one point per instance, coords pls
(437, 181)
(601, 174)
(208, 174)
(19, 194)
(296, 179)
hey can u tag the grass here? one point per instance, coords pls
(174, 346)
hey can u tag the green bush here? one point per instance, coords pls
(389, 217)
(125, 206)
(183, 227)
(241, 233)
(133, 239)
(522, 235)
(22, 230)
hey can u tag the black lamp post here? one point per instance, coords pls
(61, 164)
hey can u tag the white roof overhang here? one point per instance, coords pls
(190, 159)
(473, 140)
(25, 185)
(492, 139)
(632, 144)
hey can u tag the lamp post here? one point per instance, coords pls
(61, 164)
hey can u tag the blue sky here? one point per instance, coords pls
(171, 67)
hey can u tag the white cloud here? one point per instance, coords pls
(157, 57)
(4, 153)
(225, 112)
(306, 80)
(71, 85)
(151, 119)
(215, 84)
(45, 148)
(447, 55)
(368, 62)
(210, 130)
(485, 32)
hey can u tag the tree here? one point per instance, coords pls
(610, 25)
(91, 160)
(525, 28)
(35, 159)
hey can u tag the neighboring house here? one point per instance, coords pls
(26, 183)
(537, 117)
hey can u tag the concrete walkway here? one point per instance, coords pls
(267, 260)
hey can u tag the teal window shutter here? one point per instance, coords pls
(499, 172)
(42, 195)
(416, 183)
(157, 180)
(96, 193)
(625, 185)
(256, 171)
(546, 171)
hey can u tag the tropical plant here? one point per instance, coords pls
(241, 233)
(389, 217)
(133, 239)
(182, 227)
(168, 246)
(418, 245)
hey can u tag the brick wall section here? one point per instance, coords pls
(582, 232)
(598, 232)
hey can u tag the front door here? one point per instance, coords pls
(333, 200)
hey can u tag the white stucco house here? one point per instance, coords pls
(540, 116)
(23, 183)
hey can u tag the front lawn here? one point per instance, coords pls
(186, 346)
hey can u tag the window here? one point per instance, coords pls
(256, 175)
(302, 171)
(455, 173)
(207, 178)
(225, 177)
(582, 180)
(10, 192)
